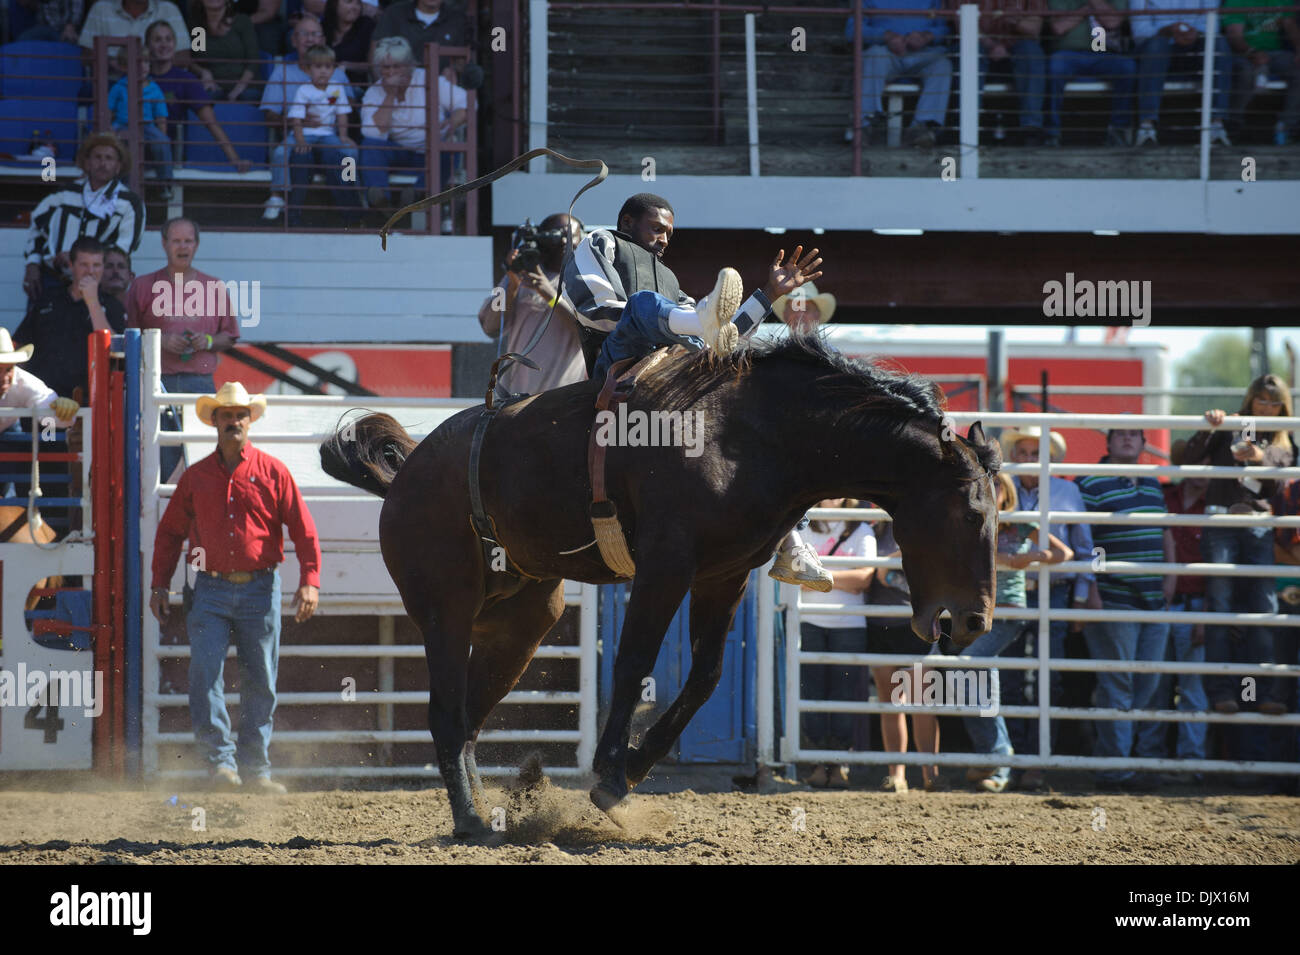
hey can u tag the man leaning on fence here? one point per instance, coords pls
(1125, 639)
(230, 507)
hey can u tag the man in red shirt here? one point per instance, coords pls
(230, 506)
(197, 317)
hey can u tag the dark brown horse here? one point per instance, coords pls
(784, 426)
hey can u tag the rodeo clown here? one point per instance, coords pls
(628, 304)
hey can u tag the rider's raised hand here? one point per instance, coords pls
(786, 276)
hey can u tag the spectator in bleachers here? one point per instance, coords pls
(278, 95)
(839, 633)
(1267, 396)
(394, 118)
(319, 117)
(122, 18)
(184, 92)
(805, 309)
(421, 22)
(101, 207)
(1020, 446)
(1071, 54)
(1256, 41)
(1009, 31)
(1175, 42)
(22, 389)
(904, 46)
(267, 23)
(153, 121)
(57, 21)
(229, 64)
(1017, 551)
(190, 343)
(348, 31)
(1186, 640)
(58, 324)
(1122, 639)
(117, 274)
(523, 300)
(893, 635)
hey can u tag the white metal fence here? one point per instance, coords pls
(354, 582)
(790, 749)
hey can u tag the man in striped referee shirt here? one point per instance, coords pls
(628, 304)
(1118, 639)
(102, 207)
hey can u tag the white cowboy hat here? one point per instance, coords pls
(8, 356)
(1012, 435)
(230, 395)
(824, 301)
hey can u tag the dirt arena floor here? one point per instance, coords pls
(554, 823)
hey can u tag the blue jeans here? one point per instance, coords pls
(1152, 737)
(1238, 545)
(989, 734)
(327, 152)
(180, 383)
(157, 148)
(1024, 733)
(379, 157)
(1121, 71)
(931, 66)
(642, 328)
(821, 681)
(250, 615)
(1028, 73)
(1123, 640)
(1153, 56)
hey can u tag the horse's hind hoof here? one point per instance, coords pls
(474, 828)
(605, 799)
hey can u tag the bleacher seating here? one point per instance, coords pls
(244, 127)
(40, 70)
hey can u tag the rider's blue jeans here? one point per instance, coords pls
(642, 328)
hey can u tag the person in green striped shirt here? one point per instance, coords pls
(1256, 39)
(1118, 639)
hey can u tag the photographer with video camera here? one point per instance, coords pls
(520, 302)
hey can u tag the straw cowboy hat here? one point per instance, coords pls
(824, 301)
(1012, 435)
(104, 139)
(8, 356)
(230, 395)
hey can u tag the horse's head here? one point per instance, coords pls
(946, 528)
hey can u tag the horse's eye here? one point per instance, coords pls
(973, 519)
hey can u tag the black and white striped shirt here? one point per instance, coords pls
(598, 296)
(62, 217)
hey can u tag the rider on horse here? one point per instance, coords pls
(628, 304)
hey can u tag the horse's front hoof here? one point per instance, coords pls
(605, 799)
(472, 828)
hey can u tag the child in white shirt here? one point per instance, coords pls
(319, 117)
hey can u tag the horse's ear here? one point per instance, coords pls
(976, 434)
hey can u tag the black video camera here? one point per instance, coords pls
(531, 244)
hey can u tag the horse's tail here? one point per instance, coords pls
(367, 452)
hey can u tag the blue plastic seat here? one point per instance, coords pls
(39, 69)
(20, 119)
(245, 127)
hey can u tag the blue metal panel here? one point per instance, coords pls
(723, 729)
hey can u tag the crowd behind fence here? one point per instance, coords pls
(1254, 731)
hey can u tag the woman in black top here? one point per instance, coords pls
(348, 34)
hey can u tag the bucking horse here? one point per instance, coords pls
(784, 425)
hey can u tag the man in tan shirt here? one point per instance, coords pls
(523, 301)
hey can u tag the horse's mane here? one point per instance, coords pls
(860, 389)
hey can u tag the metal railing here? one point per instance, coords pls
(789, 747)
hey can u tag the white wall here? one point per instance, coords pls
(324, 287)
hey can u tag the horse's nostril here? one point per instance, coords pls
(975, 623)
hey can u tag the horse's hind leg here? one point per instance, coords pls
(713, 605)
(506, 636)
(650, 609)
